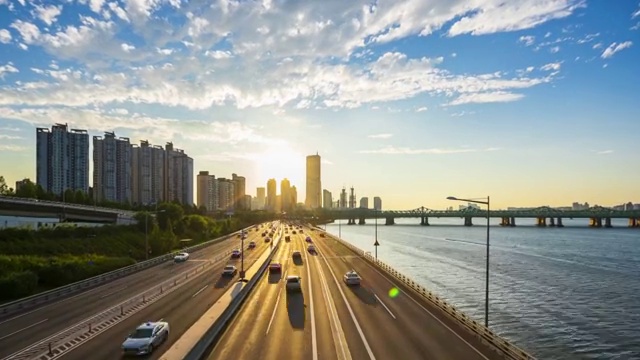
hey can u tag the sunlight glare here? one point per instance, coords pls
(281, 162)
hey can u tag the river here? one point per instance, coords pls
(559, 293)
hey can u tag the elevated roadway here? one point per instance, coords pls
(181, 307)
(330, 320)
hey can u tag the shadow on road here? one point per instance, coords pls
(223, 281)
(295, 308)
(365, 295)
(275, 277)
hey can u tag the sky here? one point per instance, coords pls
(533, 102)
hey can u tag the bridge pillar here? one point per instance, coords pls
(351, 222)
(542, 221)
(468, 221)
(634, 223)
(607, 222)
(424, 221)
(390, 221)
(552, 222)
(505, 221)
(512, 222)
(361, 221)
(595, 222)
(559, 222)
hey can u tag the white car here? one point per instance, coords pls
(294, 283)
(181, 257)
(146, 337)
(352, 278)
(229, 270)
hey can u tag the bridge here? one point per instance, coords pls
(217, 317)
(15, 206)
(544, 216)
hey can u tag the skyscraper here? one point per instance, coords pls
(178, 176)
(240, 191)
(112, 168)
(314, 186)
(377, 203)
(148, 173)
(285, 194)
(327, 200)
(261, 198)
(364, 202)
(62, 159)
(271, 194)
(294, 196)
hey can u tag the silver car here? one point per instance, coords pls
(294, 283)
(352, 278)
(145, 338)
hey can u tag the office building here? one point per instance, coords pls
(62, 159)
(327, 200)
(286, 203)
(240, 191)
(271, 195)
(148, 173)
(178, 183)
(261, 199)
(246, 202)
(314, 185)
(343, 198)
(294, 197)
(364, 202)
(112, 168)
(377, 203)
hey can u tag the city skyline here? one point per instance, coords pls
(435, 99)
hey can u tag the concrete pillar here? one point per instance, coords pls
(552, 222)
(632, 222)
(468, 221)
(595, 222)
(504, 221)
(390, 221)
(361, 221)
(607, 222)
(351, 222)
(424, 221)
(512, 222)
(559, 222)
(541, 221)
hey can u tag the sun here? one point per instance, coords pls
(279, 162)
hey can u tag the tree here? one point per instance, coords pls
(27, 190)
(4, 188)
(171, 215)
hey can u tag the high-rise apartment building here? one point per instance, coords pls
(314, 186)
(271, 194)
(261, 198)
(294, 196)
(179, 176)
(240, 191)
(62, 159)
(226, 194)
(377, 203)
(148, 173)
(112, 168)
(327, 200)
(285, 195)
(364, 202)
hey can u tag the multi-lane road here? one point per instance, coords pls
(181, 307)
(330, 320)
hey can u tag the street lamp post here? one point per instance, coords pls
(376, 243)
(242, 257)
(486, 290)
(146, 232)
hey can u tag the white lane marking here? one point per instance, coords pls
(199, 291)
(113, 292)
(23, 329)
(425, 309)
(275, 308)
(100, 287)
(353, 317)
(336, 326)
(385, 306)
(314, 340)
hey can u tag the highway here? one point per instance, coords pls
(180, 307)
(330, 320)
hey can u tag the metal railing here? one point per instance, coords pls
(508, 349)
(66, 290)
(18, 200)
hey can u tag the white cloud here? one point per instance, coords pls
(48, 14)
(527, 40)
(391, 150)
(486, 97)
(326, 161)
(380, 136)
(127, 47)
(9, 137)
(588, 38)
(604, 152)
(8, 68)
(96, 5)
(554, 49)
(12, 148)
(635, 14)
(421, 109)
(454, 55)
(614, 48)
(5, 36)
(218, 54)
(597, 46)
(27, 30)
(551, 66)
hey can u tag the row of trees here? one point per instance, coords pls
(33, 261)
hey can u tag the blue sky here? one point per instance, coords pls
(532, 102)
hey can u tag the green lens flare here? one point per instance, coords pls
(393, 292)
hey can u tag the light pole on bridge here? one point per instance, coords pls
(376, 243)
(486, 291)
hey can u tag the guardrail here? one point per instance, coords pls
(30, 201)
(200, 351)
(508, 349)
(66, 290)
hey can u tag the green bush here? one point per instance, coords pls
(18, 284)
